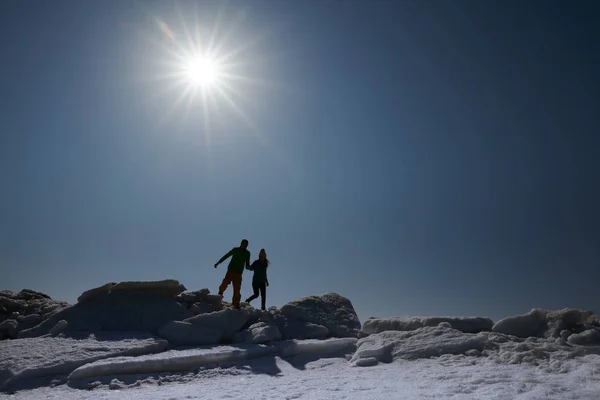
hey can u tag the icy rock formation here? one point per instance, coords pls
(166, 288)
(228, 321)
(291, 328)
(589, 337)
(464, 324)
(544, 323)
(565, 319)
(182, 333)
(331, 310)
(28, 308)
(9, 329)
(425, 342)
(200, 302)
(261, 332)
(127, 306)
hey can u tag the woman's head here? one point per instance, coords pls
(262, 255)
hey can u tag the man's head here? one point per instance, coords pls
(244, 244)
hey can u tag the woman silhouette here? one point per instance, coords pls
(259, 280)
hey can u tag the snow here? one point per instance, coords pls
(320, 377)
(24, 359)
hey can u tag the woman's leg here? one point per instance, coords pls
(255, 295)
(263, 295)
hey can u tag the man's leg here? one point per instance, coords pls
(263, 295)
(255, 295)
(236, 278)
(225, 283)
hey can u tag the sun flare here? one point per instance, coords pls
(202, 70)
(207, 70)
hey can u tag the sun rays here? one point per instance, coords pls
(202, 72)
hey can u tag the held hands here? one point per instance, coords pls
(267, 283)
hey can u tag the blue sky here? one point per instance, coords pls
(417, 157)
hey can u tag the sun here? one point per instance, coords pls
(202, 70)
(207, 70)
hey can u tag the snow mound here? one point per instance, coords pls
(330, 310)
(25, 359)
(543, 323)
(464, 324)
(423, 342)
(115, 311)
(184, 360)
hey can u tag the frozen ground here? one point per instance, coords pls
(428, 363)
(314, 377)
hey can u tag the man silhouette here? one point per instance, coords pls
(240, 257)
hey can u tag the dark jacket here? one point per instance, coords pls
(260, 271)
(239, 258)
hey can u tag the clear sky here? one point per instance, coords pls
(417, 157)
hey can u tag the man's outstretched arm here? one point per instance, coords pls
(224, 257)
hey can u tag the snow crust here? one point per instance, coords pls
(24, 359)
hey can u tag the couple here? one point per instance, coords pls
(240, 256)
